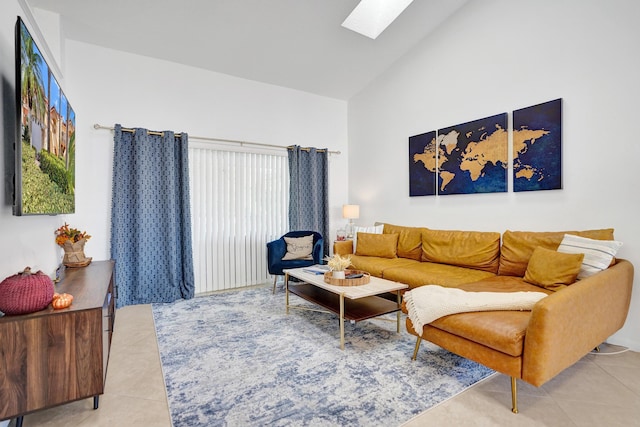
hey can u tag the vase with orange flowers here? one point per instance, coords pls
(72, 241)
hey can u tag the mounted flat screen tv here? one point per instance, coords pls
(46, 135)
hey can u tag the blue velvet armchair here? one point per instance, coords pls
(278, 248)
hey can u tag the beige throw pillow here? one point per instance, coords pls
(298, 248)
(598, 254)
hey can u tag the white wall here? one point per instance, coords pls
(107, 87)
(28, 240)
(495, 56)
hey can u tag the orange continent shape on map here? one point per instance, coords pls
(521, 136)
(490, 149)
(525, 172)
(446, 177)
(428, 157)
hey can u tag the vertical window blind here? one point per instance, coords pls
(239, 202)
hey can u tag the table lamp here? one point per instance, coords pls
(350, 212)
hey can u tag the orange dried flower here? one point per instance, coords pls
(65, 233)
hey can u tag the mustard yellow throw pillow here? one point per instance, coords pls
(380, 245)
(552, 270)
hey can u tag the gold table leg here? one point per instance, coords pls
(398, 313)
(341, 321)
(286, 290)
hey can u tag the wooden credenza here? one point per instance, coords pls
(52, 356)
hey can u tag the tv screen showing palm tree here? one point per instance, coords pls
(45, 143)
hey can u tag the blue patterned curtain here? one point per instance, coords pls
(151, 218)
(309, 191)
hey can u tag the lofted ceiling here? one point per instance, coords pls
(299, 44)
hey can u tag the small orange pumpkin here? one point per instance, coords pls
(61, 300)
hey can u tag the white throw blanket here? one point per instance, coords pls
(428, 303)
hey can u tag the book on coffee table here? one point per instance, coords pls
(316, 269)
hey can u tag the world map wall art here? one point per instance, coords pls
(537, 147)
(472, 157)
(462, 159)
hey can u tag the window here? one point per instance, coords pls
(239, 202)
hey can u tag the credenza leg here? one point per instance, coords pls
(19, 421)
(96, 401)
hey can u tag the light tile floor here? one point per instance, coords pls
(599, 390)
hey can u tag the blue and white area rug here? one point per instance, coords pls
(237, 359)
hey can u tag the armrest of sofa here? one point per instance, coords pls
(569, 323)
(343, 247)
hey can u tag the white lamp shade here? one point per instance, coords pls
(351, 211)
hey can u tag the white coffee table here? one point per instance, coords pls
(354, 303)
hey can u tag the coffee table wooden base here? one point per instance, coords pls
(349, 309)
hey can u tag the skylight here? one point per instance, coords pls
(371, 17)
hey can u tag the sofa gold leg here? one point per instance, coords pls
(415, 350)
(514, 395)
(275, 279)
(597, 349)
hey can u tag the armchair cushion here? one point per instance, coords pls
(298, 247)
(277, 249)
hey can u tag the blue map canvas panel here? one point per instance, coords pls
(422, 164)
(473, 157)
(537, 147)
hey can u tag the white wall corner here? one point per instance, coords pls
(44, 39)
(50, 25)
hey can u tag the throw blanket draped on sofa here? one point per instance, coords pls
(428, 303)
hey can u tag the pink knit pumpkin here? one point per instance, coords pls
(25, 292)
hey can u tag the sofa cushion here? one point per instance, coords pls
(551, 269)
(517, 246)
(503, 331)
(429, 273)
(409, 240)
(377, 265)
(472, 249)
(500, 330)
(379, 245)
(598, 254)
(373, 229)
(502, 284)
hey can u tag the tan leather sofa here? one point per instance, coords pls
(533, 346)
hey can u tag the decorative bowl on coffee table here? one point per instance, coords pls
(363, 280)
